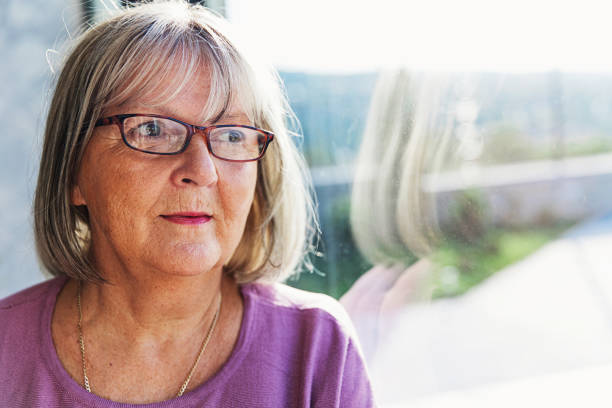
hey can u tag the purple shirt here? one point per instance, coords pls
(295, 349)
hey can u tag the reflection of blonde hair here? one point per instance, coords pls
(127, 57)
(391, 217)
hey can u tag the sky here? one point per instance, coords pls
(446, 35)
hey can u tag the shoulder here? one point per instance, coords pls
(292, 319)
(29, 295)
(21, 306)
(298, 304)
(311, 338)
(22, 319)
(26, 347)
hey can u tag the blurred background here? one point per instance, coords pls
(519, 305)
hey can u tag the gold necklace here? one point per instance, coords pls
(193, 368)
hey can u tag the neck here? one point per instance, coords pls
(156, 305)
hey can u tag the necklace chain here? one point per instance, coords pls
(81, 340)
(193, 368)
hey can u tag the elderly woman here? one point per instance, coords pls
(170, 199)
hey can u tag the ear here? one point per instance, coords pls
(76, 197)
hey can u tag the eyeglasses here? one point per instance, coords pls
(157, 134)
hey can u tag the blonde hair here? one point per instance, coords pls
(392, 218)
(108, 66)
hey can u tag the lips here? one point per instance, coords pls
(187, 218)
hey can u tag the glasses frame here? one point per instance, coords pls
(191, 130)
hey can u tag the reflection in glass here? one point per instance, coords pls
(485, 182)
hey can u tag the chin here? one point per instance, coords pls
(191, 259)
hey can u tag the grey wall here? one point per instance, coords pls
(531, 193)
(27, 30)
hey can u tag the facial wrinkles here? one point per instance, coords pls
(190, 201)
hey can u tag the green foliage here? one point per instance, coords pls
(507, 144)
(474, 249)
(589, 146)
(461, 265)
(337, 269)
(467, 216)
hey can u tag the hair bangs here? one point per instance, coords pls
(150, 81)
(176, 59)
(229, 90)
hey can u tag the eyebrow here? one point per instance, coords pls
(230, 117)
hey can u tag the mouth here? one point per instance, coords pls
(187, 218)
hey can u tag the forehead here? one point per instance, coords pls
(187, 85)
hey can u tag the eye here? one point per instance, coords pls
(149, 129)
(233, 136)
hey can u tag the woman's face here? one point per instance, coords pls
(138, 202)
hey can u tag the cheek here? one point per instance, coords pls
(117, 194)
(107, 203)
(237, 188)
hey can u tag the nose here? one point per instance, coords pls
(197, 164)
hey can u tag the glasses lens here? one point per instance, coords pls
(237, 143)
(156, 135)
